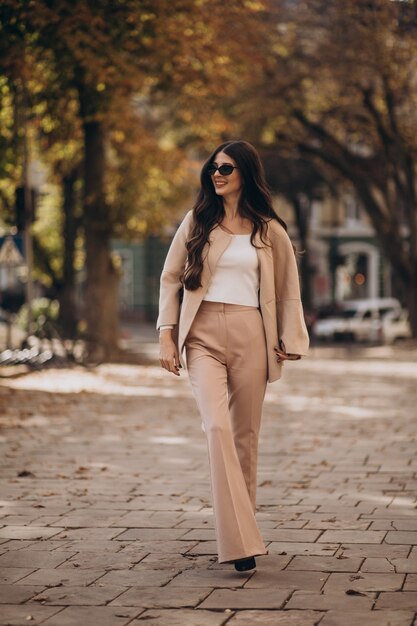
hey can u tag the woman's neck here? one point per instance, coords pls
(231, 207)
(233, 222)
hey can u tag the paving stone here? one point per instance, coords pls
(13, 574)
(161, 560)
(15, 594)
(410, 582)
(204, 547)
(26, 520)
(85, 560)
(287, 524)
(91, 519)
(386, 524)
(325, 563)
(377, 565)
(137, 577)
(353, 536)
(28, 532)
(246, 599)
(276, 618)
(398, 600)
(402, 537)
(152, 534)
(363, 582)
(391, 513)
(368, 618)
(169, 547)
(196, 523)
(93, 616)
(19, 614)
(200, 534)
(46, 545)
(73, 595)
(34, 558)
(210, 578)
(161, 597)
(91, 545)
(374, 550)
(311, 581)
(352, 518)
(49, 520)
(404, 524)
(316, 549)
(162, 503)
(329, 601)
(288, 534)
(345, 511)
(84, 534)
(329, 523)
(145, 519)
(58, 576)
(181, 617)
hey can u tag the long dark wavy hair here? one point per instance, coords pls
(255, 204)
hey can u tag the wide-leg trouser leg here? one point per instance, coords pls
(226, 361)
(246, 396)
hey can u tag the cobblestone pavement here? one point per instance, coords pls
(105, 500)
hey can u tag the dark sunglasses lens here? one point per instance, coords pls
(226, 169)
(211, 169)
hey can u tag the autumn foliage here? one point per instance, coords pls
(121, 97)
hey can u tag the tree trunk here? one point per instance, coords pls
(101, 296)
(412, 303)
(302, 219)
(67, 304)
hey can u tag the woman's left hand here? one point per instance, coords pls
(282, 354)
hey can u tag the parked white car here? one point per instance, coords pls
(395, 326)
(357, 321)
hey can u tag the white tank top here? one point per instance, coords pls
(236, 277)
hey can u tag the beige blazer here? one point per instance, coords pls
(279, 289)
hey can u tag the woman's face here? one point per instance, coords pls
(225, 185)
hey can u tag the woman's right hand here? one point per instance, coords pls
(168, 353)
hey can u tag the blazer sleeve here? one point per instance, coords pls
(290, 317)
(170, 284)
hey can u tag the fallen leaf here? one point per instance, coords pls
(354, 592)
(26, 473)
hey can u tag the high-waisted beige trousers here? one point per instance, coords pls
(227, 367)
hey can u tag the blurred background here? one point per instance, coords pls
(107, 110)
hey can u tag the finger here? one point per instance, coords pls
(282, 357)
(167, 364)
(280, 354)
(173, 367)
(174, 370)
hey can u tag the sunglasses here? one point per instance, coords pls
(225, 170)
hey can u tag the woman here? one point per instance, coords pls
(240, 319)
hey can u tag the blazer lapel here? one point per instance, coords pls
(266, 271)
(217, 244)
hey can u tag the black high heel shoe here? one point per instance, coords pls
(243, 565)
